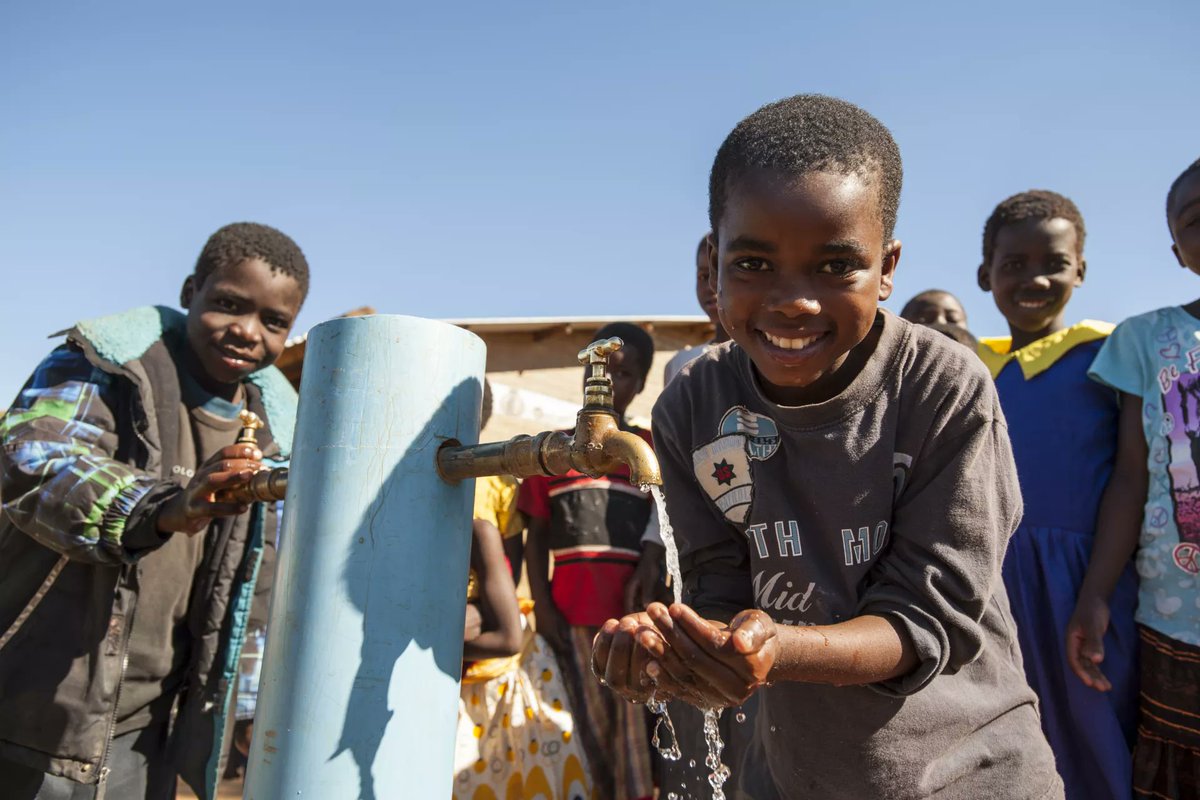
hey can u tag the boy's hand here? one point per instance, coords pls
(191, 510)
(676, 653)
(708, 663)
(549, 623)
(620, 661)
(1085, 641)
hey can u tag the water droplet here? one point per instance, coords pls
(670, 751)
(692, 763)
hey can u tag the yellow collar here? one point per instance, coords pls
(1037, 357)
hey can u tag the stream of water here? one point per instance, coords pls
(718, 772)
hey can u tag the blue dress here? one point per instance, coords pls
(1063, 428)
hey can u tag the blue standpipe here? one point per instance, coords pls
(358, 696)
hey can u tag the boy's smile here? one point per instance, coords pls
(238, 321)
(800, 267)
(1034, 269)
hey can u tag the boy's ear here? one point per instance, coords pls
(1082, 272)
(1178, 257)
(984, 278)
(188, 291)
(887, 270)
(713, 281)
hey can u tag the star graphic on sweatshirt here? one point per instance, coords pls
(723, 472)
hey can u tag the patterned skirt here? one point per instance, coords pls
(516, 735)
(1166, 761)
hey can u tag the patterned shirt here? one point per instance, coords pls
(1156, 356)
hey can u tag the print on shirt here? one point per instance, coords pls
(1181, 424)
(722, 467)
(761, 434)
(901, 467)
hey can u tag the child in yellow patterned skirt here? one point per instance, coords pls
(516, 735)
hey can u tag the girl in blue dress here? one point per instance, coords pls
(1063, 428)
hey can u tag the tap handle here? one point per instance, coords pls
(250, 425)
(596, 354)
(597, 389)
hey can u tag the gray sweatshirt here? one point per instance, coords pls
(897, 498)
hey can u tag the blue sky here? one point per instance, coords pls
(493, 159)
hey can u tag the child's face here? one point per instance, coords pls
(1185, 223)
(238, 319)
(1034, 269)
(937, 308)
(624, 367)
(801, 267)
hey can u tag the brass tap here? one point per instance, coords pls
(597, 447)
(267, 485)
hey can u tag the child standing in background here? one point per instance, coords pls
(935, 307)
(1064, 436)
(593, 528)
(707, 297)
(1153, 360)
(516, 736)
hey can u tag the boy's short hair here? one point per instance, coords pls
(810, 133)
(1033, 204)
(633, 336)
(1174, 190)
(928, 294)
(240, 241)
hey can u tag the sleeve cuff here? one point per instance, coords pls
(141, 534)
(929, 643)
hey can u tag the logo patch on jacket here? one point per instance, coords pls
(762, 437)
(723, 469)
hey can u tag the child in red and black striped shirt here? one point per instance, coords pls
(593, 529)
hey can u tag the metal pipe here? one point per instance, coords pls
(623, 447)
(597, 447)
(267, 485)
(521, 457)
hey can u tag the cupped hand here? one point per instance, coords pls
(706, 662)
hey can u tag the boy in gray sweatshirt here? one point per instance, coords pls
(842, 490)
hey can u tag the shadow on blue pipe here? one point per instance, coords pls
(427, 612)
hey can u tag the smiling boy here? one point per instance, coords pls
(842, 489)
(123, 574)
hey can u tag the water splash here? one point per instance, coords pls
(718, 772)
(668, 536)
(670, 752)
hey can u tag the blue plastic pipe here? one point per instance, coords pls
(358, 696)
